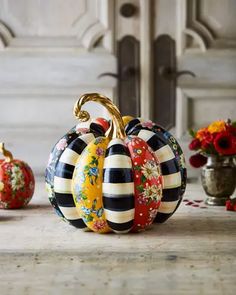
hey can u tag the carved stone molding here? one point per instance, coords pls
(93, 23)
(197, 38)
(200, 28)
(186, 95)
(195, 25)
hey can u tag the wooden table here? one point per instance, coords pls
(192, 253)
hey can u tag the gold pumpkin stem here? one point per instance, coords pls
(7, 155)
(82, 115)
(109, 133)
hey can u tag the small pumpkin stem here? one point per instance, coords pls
(7, 155)
(119, 130)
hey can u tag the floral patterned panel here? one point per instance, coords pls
(87, 185)
(147, 181)
(16, 184)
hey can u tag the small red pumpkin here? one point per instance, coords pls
(16, 181)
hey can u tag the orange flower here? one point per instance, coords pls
(201, 133)
(217, 126)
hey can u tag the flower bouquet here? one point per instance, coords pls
(216, 147)
(219, 139)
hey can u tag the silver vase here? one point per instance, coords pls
(218, 178)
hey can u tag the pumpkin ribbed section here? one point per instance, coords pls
(117, 185)
(59, 171)
(171, 158)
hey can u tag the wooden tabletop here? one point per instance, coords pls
(192, 253)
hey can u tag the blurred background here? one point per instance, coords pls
(173, 61)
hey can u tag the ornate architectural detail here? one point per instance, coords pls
(198, 38)
(201, 29)
(94, 24)
(94, 21)
(194, 23)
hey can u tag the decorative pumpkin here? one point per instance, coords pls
(16, 181)
(117, 184)
(61, 165)
(112, 180)
(171, 158)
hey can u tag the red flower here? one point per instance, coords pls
(197, 160)
(231, 129)
(225, 143)
(207, 140)
(195, 144)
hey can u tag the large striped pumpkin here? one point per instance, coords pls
(117, 184)
(113, 181)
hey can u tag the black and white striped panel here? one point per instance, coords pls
(131, 125)
(63, 179)
(56, 154)
(50, 170)
(177, 150)
(118, 187)
(170, 172)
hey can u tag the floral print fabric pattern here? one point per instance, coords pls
(16, 184)
(17, 178)
(87, 185)
(147, 182)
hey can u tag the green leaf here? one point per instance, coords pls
(143, 178)
(192, 132)
(83, 196)
(89, 218)
(138, 167)
(86, 168)
(94, 161)
(140, 188)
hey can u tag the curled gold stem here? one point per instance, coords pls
(7, 155)
(83, 115)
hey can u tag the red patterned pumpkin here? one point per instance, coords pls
(16, 181)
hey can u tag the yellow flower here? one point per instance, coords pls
(217, 126)
(1, 186)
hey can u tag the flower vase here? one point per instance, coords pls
(218, 178)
